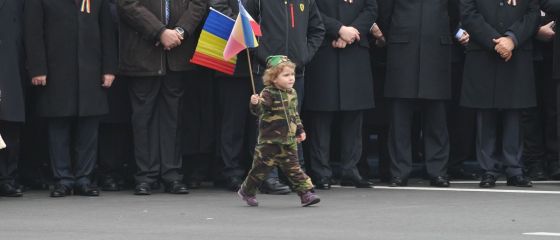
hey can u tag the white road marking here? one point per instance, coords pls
(500, 182)
(549, 234)
(467, 190)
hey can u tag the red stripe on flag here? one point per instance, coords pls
(213, 63)
(256, 28)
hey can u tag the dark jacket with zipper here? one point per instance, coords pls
(142, 21)
(289, 27)
(553, 7)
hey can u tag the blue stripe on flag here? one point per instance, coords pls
(218, 24)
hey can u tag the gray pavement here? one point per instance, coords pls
(343, 214)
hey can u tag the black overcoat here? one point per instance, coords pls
(488, 81)
(12, 106)
(74, 49)
(341, 79)
(419, 43)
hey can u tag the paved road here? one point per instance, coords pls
(343, 214)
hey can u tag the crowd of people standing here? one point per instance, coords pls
(102, 95)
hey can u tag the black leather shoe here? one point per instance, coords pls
(519, 181)
(398, 182)
(142, 189)
(86, 190)
(109, 184)
(462, 174)
(274, 186)
(439, 181)
(60, 190)
(234, 183)
(356, 181)
(194, 184)
(487, 181)
(323, 184)
(176, 187)
(9, 190)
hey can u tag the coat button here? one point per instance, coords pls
(501, 4)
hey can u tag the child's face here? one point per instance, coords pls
(286, 79)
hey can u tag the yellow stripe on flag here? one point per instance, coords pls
(213, 46)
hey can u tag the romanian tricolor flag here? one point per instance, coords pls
(243, 34)
(212, 42)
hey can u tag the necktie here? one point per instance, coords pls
(166, 12)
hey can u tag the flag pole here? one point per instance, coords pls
(251, 71)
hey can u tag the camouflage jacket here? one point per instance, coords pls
(279, 121)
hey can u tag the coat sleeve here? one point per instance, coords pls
(551, 6)
(223, 7)
(108, 43)
(315, 31)
(140, 18)
(454, 16)
(299, 124)
(332, 25)
(35, 40)
(384, 14)
(525, 28)
(479, 30)
(366, 18)
(264, 103)
(191, 18)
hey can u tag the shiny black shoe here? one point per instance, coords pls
(323, 184)
(176, 187)
(519, 181)
(398, 182)
(194, 184)
(109, 184)
(356, 181)
(439, 181)
(537, 174)
(87, 190)
(234, 183)
(10, 190)
(487, 181)
(143, 189)
(61, 190)
(274, 186)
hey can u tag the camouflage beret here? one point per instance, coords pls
(274, 60)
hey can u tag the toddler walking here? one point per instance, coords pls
(280, 130)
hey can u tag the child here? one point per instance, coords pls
(280, 130)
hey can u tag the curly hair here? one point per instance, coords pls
(272, 73)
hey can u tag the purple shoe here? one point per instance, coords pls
(308, 199)
(250, 200)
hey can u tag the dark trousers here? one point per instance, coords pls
(434, 131)
(490, 156)
(115, 148)
(234, 95)
(155, 105)
(73, 138)
(320, 125)
(298, 86)
(9, 156)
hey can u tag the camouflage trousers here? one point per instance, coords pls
(266, 157)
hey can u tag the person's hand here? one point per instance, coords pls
(170, 39)
(300, 138)
(381, 42)
(255, 99)
(512, 2)
(348, 1)
(107, 80)
(39, 80)
(546, 33)
(464, 40)
(339, 43)
(376, 32)
(504, 47)
(349, 34)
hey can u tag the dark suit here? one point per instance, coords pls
(497, 88)
(73, 49)
(418, 79)
(157, 81)
(12, 109)
(342, 90)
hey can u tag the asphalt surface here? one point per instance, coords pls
(343, 214)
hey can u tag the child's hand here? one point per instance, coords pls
(255, 99)
(301, 137)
